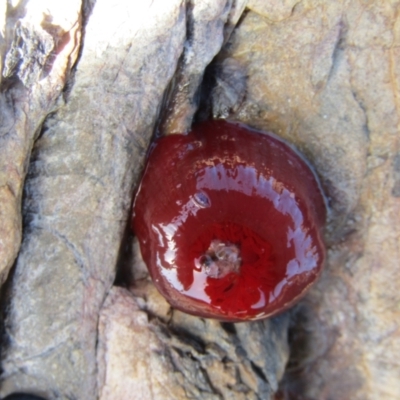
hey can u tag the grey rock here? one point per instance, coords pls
(37, 53)
(166, 354)
(78, 194)
(229, 90)
(324, 76)
(210, 24)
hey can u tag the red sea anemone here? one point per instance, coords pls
(229, 222)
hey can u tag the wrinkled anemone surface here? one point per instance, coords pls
(229, 222)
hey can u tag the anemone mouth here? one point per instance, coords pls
(239, 266)
(220, 259)
(226, 247)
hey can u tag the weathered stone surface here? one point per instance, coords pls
(210, 24)
(39, 44)
(322, 74)
(78, 194)
(273, 10)
(173, 355)
(131, 358)
(325, 76)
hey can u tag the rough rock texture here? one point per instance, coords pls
(78, 194)
(325, 76)
(322, 74)
(210, 23)
(38, 45)
(76, 208)
(148, 349)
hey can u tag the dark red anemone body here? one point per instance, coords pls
(229, 222)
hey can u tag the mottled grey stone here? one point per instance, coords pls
(210, 24)
(38, 46)
(78, 194)
(160, 353)
(323, 75)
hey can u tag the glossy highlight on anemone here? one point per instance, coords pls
(229, 222)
